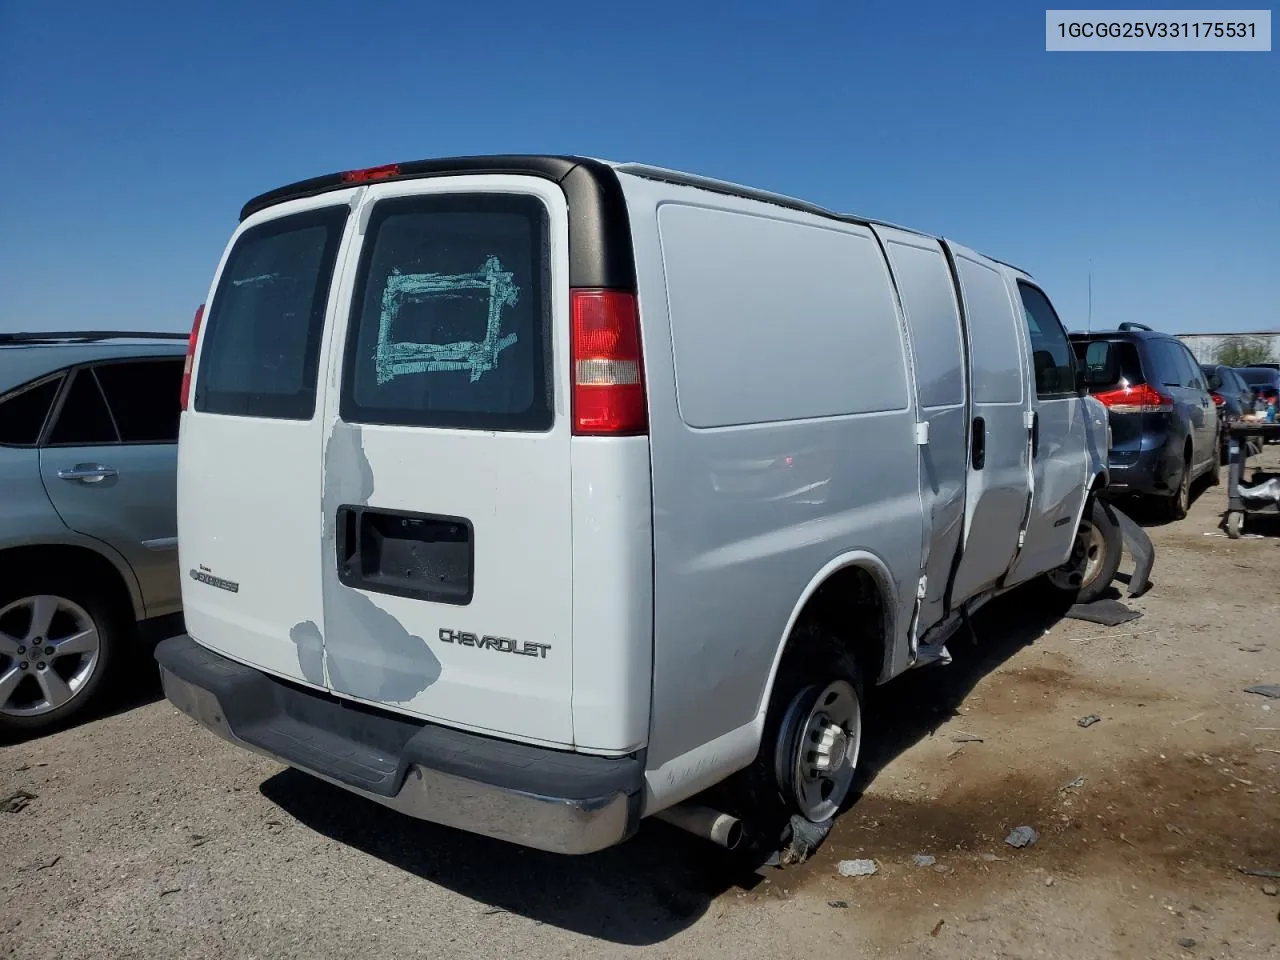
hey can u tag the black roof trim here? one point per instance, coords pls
(89, 336)
(600, 252)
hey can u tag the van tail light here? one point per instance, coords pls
(1140, 399)
(1218, 399)
(191, 355)
(608, 382)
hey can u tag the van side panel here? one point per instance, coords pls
(928, 298)
(781, 436)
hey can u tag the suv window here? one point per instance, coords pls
(1050, 349)
(261, 346)
(450, 318)
(144, 397)
(1119, 358)
(23, 413)
(1189, 372)
(84, 419)
(1171, 371)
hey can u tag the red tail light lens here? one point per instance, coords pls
(608, 385)
(191, 355)
(372, 173)
(1140, 399)
(1218, 399)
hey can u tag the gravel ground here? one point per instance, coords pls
(146, 837)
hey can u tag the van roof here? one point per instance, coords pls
(577, 175)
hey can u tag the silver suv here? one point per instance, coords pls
(88, 518)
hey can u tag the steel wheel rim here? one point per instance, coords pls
(818, 752)
(1088, 551)
(49, 650)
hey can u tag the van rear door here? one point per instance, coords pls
(446, 564)
(249, 453)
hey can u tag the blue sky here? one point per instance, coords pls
(133, 132)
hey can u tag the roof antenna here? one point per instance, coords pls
(1090, 327)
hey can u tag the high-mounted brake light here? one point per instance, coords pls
(191, 355)
(608, 382)
(1141, 399)
(372, 173)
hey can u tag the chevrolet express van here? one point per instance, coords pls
(538, 495)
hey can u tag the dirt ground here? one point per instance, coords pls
(147, 837)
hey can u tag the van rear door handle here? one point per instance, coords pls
(87, 473)
(978, 446)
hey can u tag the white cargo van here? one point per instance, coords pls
(538, 495)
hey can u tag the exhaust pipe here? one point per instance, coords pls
(719, 828)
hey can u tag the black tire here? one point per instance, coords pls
(1175, 505)
(1080, 580)
(107, 618)
(815, 658)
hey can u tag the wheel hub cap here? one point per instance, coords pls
(817, 752)
(49, 649)
(832, 746)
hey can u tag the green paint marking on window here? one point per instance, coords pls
(395, 358)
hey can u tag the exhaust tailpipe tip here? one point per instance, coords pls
(720, 828)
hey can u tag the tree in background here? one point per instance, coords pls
(1243, 352)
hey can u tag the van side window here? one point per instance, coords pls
(1051, 354)
(450, 319)
(23, 412)
(261, 346)
(84, 420)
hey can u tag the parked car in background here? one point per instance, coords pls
(1231, 395)
(88, 517)
(1264, 381)
(1164, 423)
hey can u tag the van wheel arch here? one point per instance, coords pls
(73, 562)
(850, 603)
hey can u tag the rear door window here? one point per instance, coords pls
(83, 420)
(23, 412)
(450, 320)
(144, 398)
(261, 348)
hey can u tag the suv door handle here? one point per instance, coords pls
(87, 473)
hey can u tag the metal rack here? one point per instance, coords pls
(1238, 435)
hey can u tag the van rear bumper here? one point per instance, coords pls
(548, 799)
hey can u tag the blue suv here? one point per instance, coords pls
(1164, 423)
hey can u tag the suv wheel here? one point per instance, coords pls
(1178, 503)
(1095, 556)
(57, 643)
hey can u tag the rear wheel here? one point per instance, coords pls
(1095, 556)
(1176, 504)
(58, 643)
(808, 759)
